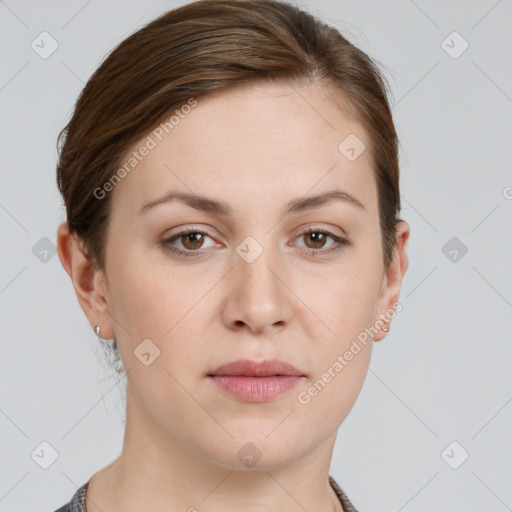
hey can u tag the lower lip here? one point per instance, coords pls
(255, 389)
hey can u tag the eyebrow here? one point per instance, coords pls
(219, 208)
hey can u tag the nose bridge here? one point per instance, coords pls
(255, 259)
(259, 297)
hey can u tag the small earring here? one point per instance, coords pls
(385, 328)
(97, 330)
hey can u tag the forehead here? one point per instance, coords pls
(260, 143)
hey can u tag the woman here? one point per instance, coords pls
(231, 182)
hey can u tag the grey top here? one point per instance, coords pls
(77, 503)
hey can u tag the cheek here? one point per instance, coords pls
(147, 298)
(160, 304)
(346, 300)
(342, 353)
(165, 304)
(334, 390)
(347, 307)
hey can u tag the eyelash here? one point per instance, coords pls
(338, 245)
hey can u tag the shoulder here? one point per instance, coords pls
(77, 503)
(347, 505)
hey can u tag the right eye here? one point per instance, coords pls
(191, 240)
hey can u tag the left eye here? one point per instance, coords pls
(317, 238)
(193, 240)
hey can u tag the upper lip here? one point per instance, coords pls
(248, 368)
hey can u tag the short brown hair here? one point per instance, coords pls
(204, 46)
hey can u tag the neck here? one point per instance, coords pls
(158, 470)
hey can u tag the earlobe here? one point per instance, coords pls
(87, 281)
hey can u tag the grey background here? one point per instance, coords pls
(442, 374)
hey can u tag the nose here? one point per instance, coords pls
(257, 297)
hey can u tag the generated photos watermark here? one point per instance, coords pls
(151, 141)
(362, 339)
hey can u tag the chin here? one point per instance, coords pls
(255, 450)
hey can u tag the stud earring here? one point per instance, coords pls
(385, 328)
(97, 330)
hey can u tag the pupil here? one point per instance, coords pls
(192, 240)
(317, 238)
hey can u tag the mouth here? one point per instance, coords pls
(251, 381)
(248, 368)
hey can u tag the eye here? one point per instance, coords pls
(316, 238)
(190, 240)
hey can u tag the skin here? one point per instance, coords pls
(256, 147)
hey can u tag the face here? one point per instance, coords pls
(262, 275)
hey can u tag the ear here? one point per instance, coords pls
(392, 280)
(89, 283)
